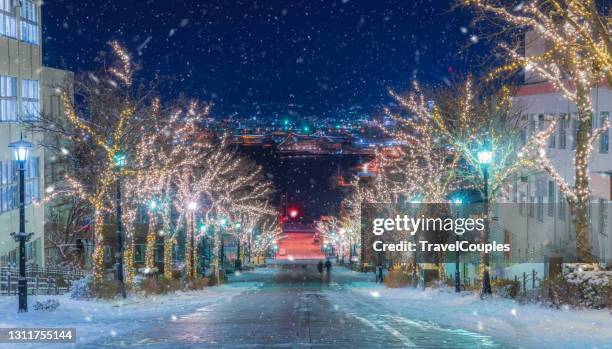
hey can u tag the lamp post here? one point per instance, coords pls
(485, 156)
(457, 203)
(21, 150)
(192, 206)
(119, 159)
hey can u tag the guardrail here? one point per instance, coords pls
(45, 281)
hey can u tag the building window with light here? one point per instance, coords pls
(551, 198)
(604, 140)
(29, 22)
(552, 140)
(574, 130)
(563, 131)
(9, 186)
(30, 96)
(561, 205)
(7, 19)
(8, 98)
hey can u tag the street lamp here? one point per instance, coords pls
(21, 150)
(192, 206)
(120, 159)
(457, 201)
(485, 156)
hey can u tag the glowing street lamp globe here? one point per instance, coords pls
(485, 155)
(119, 159)
(21, 150)
(192, 205)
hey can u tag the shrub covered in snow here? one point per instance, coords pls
(82, 288)
(585, 285)
(48, 305)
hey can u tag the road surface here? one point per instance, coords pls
(292, 310)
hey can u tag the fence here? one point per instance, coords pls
(40, 280)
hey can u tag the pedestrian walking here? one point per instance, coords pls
(320, 269)
(328, 266)
(380, 277)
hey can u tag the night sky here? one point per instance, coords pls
(262, 56)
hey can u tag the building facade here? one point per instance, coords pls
(536, 218)
(27, 89)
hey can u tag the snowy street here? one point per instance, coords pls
(293, 308)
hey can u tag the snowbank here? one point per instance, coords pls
(95, 319)
(506, 321)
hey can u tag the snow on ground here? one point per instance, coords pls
(99, 318)
(513, 324)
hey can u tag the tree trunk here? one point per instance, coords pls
(188, 253)
(581, 183)
(98, 253)
(168, 241)
(151, 242)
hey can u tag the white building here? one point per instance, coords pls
(23, 96)
(538, 221)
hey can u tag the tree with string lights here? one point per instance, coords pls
(577, 58)
(464, 118)
(116, 112)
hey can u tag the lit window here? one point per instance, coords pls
(7, 20)
(563, 131)
(8, 98)
(604, 140)
(29, 22)
(31, 99)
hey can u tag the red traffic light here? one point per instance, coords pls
(293, 213)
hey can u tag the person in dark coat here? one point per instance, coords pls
(327, 270)
(380, 277)
(320, 268)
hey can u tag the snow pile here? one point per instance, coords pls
(505, 320)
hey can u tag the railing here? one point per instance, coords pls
(40, 280)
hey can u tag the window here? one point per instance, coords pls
(540, 208)
(603, 217)
(604, 140)
(562, 131)
(8, 98)
(532, 124)
(551, 198)
(108, 253)
(9, 186)
(561, 205)
(552, 140)
(7, 20)
(531, 205)
(31, 99)
(29, 22)
(139, 253)
(574, 130)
